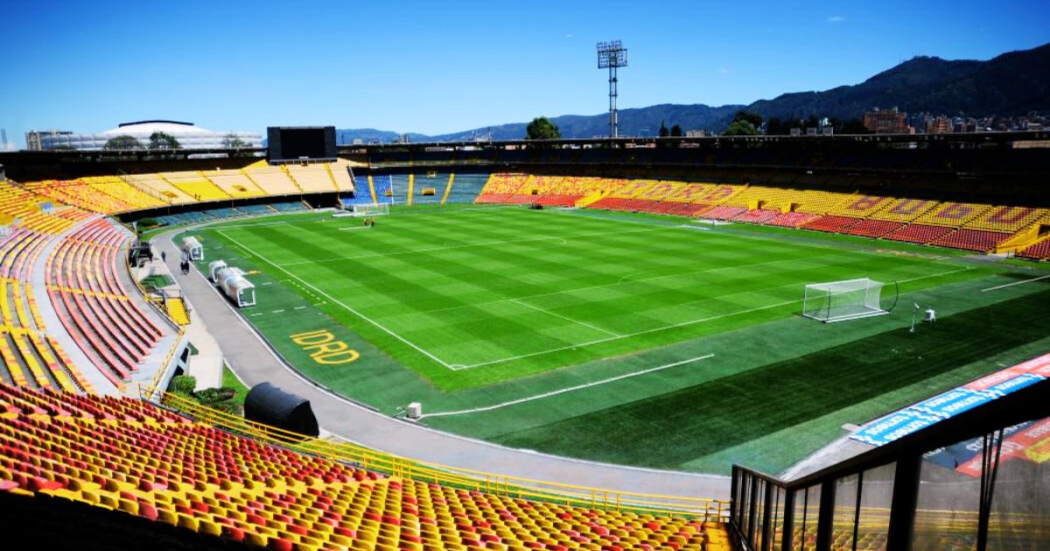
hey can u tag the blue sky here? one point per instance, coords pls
(436, 67)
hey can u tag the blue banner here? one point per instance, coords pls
(1013, 384)
(974, 394)
(952, 402)
(892, 427)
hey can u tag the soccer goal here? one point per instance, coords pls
(371, 210)
(848, 299)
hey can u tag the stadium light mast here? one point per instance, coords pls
(612, 55)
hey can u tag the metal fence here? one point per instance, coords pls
(977, 481)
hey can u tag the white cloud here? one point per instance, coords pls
(723, 70)
(836, 19)
(568, 35)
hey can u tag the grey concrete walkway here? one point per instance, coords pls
(254, 362)
(206, 364)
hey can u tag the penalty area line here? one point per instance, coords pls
(559, 316)
(568, 389)
(1004, 286)
(456, 367)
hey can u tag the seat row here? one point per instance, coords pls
(132, 458)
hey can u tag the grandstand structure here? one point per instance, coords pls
(978, 227)
(902, 188)
(79, 340)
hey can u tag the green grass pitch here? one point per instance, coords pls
(638, 339)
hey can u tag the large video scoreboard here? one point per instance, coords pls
(300, 143)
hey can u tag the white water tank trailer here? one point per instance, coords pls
(240, 291)
(193, 248)
(213, 269)
(222, 274)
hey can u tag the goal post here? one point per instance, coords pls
(848, 299)
(371, 210)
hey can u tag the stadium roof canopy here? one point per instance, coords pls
(148, 127)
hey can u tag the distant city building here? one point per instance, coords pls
(188, 136)
(939, 125)
(35, 138)
(886, 121)
(695, 133)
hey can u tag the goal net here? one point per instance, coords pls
(371, 210)
(848, 299)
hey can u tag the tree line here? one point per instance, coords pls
(744, 123)
(162, 141)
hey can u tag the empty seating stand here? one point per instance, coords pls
(831, 223)
(792, 219)
(874, 228)
(756, 216)
(131, 458)
(93, 304)
(30, 356)
(971, 240)
(1039, 251)
(723, 213)
(465, 188)
(919, 233)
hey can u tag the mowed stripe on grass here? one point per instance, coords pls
(668, 430)
(503, 294)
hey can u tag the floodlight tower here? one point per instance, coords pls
(612, 55)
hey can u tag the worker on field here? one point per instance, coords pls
(931, 315)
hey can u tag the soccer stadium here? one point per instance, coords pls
(706, 342)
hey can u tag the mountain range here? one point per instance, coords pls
(1010, 84)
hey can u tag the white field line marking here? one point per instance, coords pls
(570, 320)
(472, 245)
(340, 303)
(352, 228)
(674, 326)
(1014, 283)
(568, 389)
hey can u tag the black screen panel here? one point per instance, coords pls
(296, 143)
